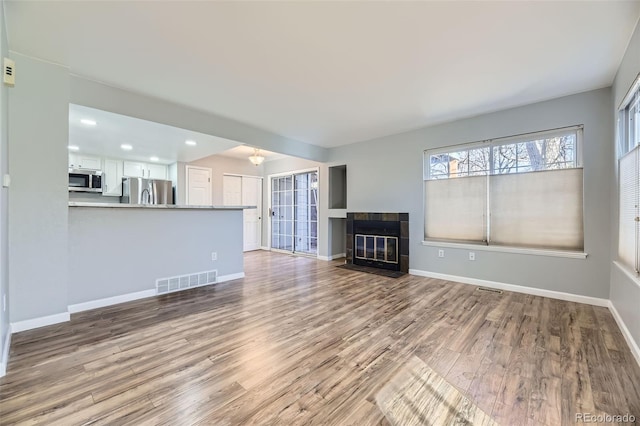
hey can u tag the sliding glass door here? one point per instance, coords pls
(294, 212)
(282, 213)
(305, 213)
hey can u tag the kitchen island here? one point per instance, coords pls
(117, 252)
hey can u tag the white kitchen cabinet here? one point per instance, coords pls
(112, 178)
(145, 170)
(84, 162)
(133, 169)
(156, 171)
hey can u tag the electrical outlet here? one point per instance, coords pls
(472, 256)
(214, 255)
(440, 253)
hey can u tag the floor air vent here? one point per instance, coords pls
(183, 282)
(490, 290)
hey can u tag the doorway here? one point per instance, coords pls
(198, 186)
(294, 212)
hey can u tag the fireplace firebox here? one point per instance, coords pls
(379, 240)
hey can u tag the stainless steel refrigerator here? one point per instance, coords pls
(146, 191)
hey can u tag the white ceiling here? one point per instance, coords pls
(146, 137)
(331, 73)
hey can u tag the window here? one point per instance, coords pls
(629, 184)
(524, 191)
(629, 119)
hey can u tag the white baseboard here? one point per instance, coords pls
(108, 301)
(332, 257)
(570, 297)
(230, 277)
(30, 324)
(4, 361)
(635, 350)
(265, 248)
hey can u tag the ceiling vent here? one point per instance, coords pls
(9, 73)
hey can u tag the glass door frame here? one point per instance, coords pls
(270, 210)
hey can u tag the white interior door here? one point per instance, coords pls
(198, 186)
(252, 196)
(232, 190)
(246, 191)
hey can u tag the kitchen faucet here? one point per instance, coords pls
(148, 199)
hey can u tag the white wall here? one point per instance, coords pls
(4, 203)
(385, 175)
(220, 165)
(117, 251)
(625, 290)
(177, 176)
(38, 134)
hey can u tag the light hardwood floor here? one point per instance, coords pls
(299, 341)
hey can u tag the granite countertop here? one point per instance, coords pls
(155, 206)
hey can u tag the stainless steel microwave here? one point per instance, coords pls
(85, 180)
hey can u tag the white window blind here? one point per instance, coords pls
(524, 191)
(456, 208)
(629, 232)
(541, 209)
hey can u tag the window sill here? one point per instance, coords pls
(628, 272)
(503, 249)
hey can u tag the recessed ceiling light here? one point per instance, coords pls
(126, 147)
(154, 158)
(88, 122)
(190, 143)
(73, 148)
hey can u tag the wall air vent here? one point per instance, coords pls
(9, 72)
(183, 282)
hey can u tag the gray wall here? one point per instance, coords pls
(338, 234)
(96, 95)
(385, 175)
(4, 196)
(220, 165)
(625, 291)
(89, 197)
(38, 134)
(115, 251)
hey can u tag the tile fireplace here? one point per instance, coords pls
(379, 240)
